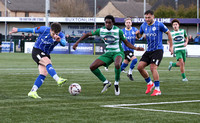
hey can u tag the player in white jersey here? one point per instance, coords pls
(180, 41)
(112, 37)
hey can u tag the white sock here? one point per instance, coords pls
(157, 88)
(105, 82)
(116, 83)
(34, 88)
(150, 82)
(130, 71)
(56, 77)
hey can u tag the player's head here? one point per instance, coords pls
(128, 22)
(149, 17)
(175, 24)
(55, 29)
(109, 21)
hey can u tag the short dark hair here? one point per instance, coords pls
(56, 27)
(175, 20)
(110, 17)
(149, 12)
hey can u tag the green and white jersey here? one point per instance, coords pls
(112, 38)
(178, 38)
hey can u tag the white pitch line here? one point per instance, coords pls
(143, 109)
(122, 106)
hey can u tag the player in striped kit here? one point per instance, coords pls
(112, 37)
(154, 54)
(129, 33)
(180, 41)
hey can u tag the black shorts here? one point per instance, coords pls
(37, 54)
(128, 55)
(152, 57)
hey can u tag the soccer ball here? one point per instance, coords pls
(74, 89)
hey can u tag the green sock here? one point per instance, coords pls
(99, 75)
(183, 75)
(174, 65)
(117, 74)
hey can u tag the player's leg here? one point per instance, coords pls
(47, 62)
(145, 75)
(182, 65)
(38, 82)
(132, 65)
(94, 67)
(155, 62)
(175, 64)
(126, 60)
(118, 60)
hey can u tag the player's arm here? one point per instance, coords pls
(15, 30)
(128, 44)
(140, 32)
(96, 32)
(170, 41)
(186, 38)
(61, 39)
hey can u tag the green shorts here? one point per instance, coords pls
(109, 57)
(181, 54)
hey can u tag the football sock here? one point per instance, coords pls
(105, 82)
(130, 71)
(157, 85)
(148, 80)
(132, 65)
(116, 83)
(174, 65)
(51, 70)
(38, 82)
(123, 66)
(117, 74)
(183, 75)
(99, 75)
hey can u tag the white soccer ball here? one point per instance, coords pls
(74, 89)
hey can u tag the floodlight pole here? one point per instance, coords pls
(47, 12)
(144, 6)
(95, 11)
(5, 20)
(198, 16)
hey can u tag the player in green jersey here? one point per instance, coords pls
(180, 41)
(112, 37)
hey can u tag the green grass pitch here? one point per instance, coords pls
(18, 73)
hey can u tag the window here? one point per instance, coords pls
(0, 14)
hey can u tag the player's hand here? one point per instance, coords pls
(14, 30)
(57, 38)
(139, 48)
(171, 50)
(185, 44)
(74, 46)
(137, 34)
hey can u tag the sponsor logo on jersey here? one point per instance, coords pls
(151, 34)
(109, 39)
(178, 38)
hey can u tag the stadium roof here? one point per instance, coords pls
(27, 5)
(131, 8)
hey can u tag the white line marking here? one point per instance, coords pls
(156, 103)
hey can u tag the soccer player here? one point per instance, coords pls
(180, 41)
(154, 54)
(48, 38)
(129, 33)
(112, 37)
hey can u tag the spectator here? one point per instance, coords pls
(68, 38)
(190, 39)
(31, 38)
(196, 39)
(23, 39)
(0, 42)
